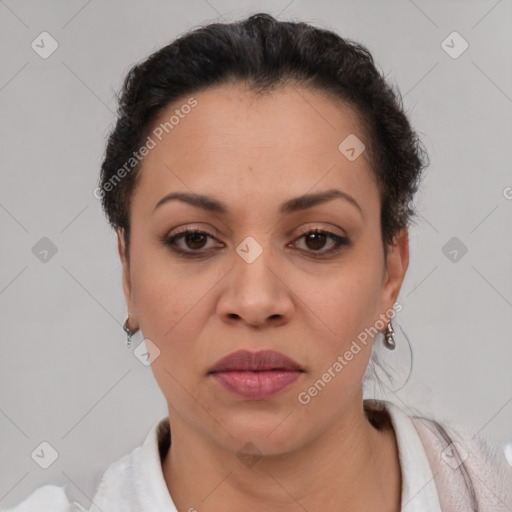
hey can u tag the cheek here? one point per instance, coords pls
(348, 315)
(168, 309)
(173, 305)
(341, 351)
(344, 301)
(358, 303)
(171, 315)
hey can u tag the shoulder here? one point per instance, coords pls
(69, 493)
(469, 471)
(464, 463)
(112, 488)
(455, 445)
(47, 498)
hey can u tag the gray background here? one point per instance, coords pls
(65, 376)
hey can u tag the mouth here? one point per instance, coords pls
(255, 375)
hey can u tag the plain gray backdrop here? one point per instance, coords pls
(65, 376)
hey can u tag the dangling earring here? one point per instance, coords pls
(129, 333)
(389, 339)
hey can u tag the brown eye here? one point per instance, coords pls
(315, 241)
(196, 240)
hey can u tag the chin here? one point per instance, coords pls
(270, 432)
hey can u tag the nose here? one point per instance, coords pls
(256, 293)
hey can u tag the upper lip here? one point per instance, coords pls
(244, 360)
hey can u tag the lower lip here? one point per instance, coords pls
(256, 385)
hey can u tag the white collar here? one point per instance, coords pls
(419, 492)
(136, 481)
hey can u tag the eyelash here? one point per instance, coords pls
(340, 242)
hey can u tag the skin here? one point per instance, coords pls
(253, 153)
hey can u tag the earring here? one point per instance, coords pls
(129, 333)
(389, 339)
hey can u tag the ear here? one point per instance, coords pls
(127, 285)
(395, 269)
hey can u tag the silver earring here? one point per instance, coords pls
(389, 339)
(129, 333)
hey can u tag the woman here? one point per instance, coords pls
(260, 179)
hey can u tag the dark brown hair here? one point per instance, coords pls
(266, 53)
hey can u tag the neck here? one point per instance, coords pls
(353, 466)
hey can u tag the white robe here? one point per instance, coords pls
(433, 478)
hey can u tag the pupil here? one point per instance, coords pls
(319, 240)
(195, 237)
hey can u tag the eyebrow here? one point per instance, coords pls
(291, 206)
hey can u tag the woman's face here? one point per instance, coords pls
(252, 279)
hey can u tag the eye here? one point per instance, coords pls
(196, 240)
(315, 240)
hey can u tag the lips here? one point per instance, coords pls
(255, 375)
(243, 360)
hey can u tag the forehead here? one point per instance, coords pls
(247, 148)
